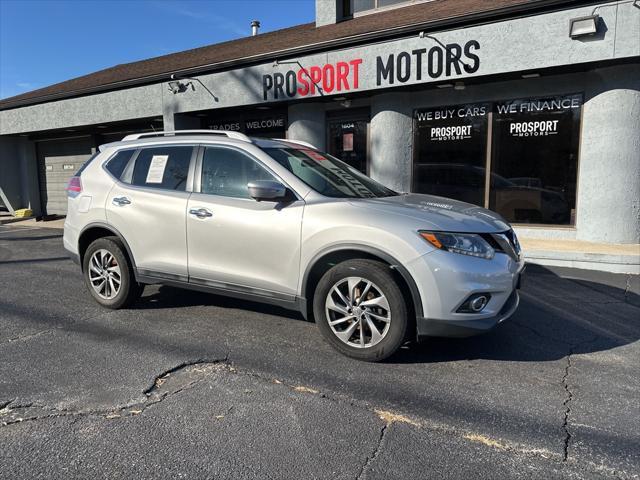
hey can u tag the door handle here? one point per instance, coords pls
(120, 201)
(200, 212)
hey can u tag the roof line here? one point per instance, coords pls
(351, 39)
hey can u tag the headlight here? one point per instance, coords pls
(463, 243)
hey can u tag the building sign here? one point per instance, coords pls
(263, 124)
(429, 64)
(416, 65)
(252, 125)
(226, 126)
(338, 77)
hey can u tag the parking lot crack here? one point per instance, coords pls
(374, 454)
(171, 382)
(567, 406)
(29, 336)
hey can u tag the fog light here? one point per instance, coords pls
(478, 303)
(475, 303)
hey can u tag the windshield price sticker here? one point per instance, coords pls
(156, 168)
(314, 155)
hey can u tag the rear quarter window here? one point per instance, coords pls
(118, 163)
(86, 164)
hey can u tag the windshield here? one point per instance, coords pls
(328, 175)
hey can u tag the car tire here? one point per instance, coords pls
(108, 274)
(381, 305)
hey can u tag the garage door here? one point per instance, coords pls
(58, 160)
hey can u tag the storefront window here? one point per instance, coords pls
(534, 160)
(530, 147)
(450, 152)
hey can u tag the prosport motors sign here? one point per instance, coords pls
(417, 65)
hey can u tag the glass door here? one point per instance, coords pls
(349, 140)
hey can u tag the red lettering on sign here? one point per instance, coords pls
(303, 77)
(328, 78)
(341, 76)
(316, 76)
(355, 64)
(307, 81)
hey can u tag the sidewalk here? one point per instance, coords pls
(607, 257)
(31, 222)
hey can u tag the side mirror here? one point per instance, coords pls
(267, 190)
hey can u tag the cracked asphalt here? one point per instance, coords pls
(189, 385)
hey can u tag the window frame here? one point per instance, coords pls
(378, 9)
(199, 162)
(490, 144)
(127, 172)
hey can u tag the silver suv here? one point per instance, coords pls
(280, 222)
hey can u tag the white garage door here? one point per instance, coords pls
(58, 160)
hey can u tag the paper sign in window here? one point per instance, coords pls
(156, 168)
(347, 142)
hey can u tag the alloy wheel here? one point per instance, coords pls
(358, 312)
(104, 274)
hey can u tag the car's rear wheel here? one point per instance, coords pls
(360, 309)
(108, 274)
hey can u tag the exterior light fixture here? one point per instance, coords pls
(459, 86)
(530, 75)
(445, 85)
(584, 26)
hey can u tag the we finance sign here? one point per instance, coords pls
(390, 69)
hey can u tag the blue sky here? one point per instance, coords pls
(48, 41)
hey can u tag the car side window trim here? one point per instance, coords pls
(197, 184)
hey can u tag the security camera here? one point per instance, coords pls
(176, 86)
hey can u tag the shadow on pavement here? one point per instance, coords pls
(170, 297)
(557, 316)
(30, 238)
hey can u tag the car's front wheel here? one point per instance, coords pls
(360, 309)
(108, 274)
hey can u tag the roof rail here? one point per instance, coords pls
(172, 133)
(297, 142)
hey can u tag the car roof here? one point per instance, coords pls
(241, 140)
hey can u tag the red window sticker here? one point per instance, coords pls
(314, 155)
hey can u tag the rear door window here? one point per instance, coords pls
(162, 167)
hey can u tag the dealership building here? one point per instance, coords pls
(528, 107)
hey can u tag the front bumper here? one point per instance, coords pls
(446, 280)
(428, 327)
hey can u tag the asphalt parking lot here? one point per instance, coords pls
(188, 385)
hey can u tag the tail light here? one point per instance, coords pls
(74, 187)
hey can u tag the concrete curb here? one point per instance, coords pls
(628, 264)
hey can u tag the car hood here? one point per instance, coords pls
(437, 213)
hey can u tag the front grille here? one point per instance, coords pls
(505, 242)
(513, 240)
